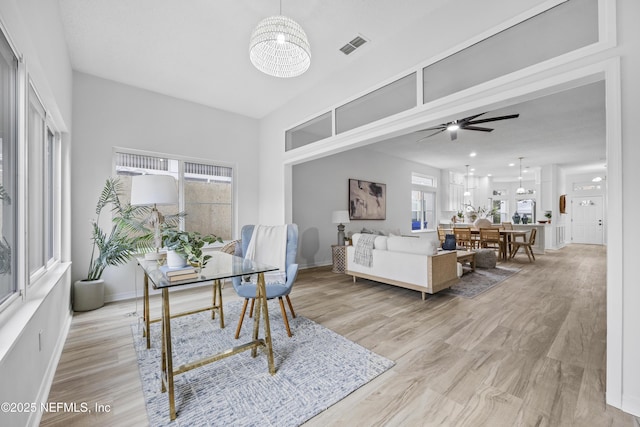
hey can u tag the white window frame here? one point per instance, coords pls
(420, 182)
(48, 204)
(179, 175)
(17, 199)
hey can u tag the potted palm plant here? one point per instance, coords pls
(111, 247)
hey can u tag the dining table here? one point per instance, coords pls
(506, 237)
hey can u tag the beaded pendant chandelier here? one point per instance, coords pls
(279, 47)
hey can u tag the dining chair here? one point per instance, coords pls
(507, 225)
(441, 234)
(463, 237)
(231, 248)
(247, 290)
(490, 238)
(527, 245)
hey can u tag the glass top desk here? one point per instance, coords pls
(220, 266)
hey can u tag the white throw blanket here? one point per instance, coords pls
(363, 253)
(268, 245)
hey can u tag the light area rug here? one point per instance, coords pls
(315, 369)
(474, 283)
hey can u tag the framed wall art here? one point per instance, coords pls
(367, 200)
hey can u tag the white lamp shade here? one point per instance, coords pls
(153, 190)
(340, 217)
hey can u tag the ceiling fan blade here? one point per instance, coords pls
(439, 127)
(468, 119)
(493, 119)
(478, 128)
(431, 134)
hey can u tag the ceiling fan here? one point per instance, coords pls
(468, 123)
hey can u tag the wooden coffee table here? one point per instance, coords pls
(467, 256)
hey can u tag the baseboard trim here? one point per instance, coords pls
(47, 380)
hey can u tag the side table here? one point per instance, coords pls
(339, 256)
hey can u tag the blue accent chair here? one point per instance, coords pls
(247, 290)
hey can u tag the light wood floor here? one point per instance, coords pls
(529, 352)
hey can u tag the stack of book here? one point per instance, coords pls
(177, 274)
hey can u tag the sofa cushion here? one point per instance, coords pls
(414, 245)
(379, 243)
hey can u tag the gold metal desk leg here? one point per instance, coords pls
(213, 302)
(217, 287)
(167, 351)
(261, 296)
(147, 322)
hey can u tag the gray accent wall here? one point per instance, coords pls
(321, 187)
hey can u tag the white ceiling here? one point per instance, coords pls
(197, 50)
(565, 128)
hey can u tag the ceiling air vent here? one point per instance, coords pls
(353, 45)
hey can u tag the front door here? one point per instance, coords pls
(587, 216)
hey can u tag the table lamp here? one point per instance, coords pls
(340, 218)
(154, 190)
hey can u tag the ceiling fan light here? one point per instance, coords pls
(453, 127)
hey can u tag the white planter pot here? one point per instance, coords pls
(175, 260)
(88, 295)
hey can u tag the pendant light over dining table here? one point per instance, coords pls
(279, 47)
(520, 189)
(466, 190)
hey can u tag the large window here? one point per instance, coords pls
(423, 202)
(8, 171)
(41, 154)
(205, 188)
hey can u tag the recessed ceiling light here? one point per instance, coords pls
(473, 169)
(511, 164)
(489, 174)
(473, 154)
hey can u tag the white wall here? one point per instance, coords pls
(623, 298)
(33, 329)
(321, 186)
(108, 114)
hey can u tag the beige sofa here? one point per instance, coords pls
(404, 261)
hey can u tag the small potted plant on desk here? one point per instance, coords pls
(186, 247)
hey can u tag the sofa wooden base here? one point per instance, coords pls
(441, 274)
